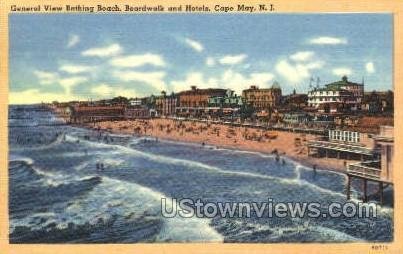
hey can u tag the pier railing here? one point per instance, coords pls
(360, 149)
(366, 169)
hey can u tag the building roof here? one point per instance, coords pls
(342, 83)
(333, 104)
(203, 91)
(96, 108)
(275, 85)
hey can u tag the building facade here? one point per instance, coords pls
(262, 99)
(136, 112)
(343, 92)
(385, 141)
(165, 105)
(193, 102)
(230, 100)
(82, 114)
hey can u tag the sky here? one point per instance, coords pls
(85, 56)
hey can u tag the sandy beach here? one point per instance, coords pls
(289, 144)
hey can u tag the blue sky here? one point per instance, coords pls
(66, 57)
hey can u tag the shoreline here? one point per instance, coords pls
(236, 138)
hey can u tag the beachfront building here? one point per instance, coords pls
(336, 96)
(377, 102)
(137, 112)
(229, 100)
(193, 102)
(296, 118)
(165, 105)
(344, 144)
(135, 102)
(84, 114)
(227, 106)
(294, 101)
(263, 99)
(379, 170)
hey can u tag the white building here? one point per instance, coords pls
(344, 92)
(135, 102)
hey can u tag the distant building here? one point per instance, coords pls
(165, 105)
(193, 102)
(322, 121)
(262, 99)
(227, 106)
(136, 112)
(332, 107)
(342, 92)
(82, 114)
(295, 101)
(377, 102)
(135, 102)
(229, 100)
(296, 118)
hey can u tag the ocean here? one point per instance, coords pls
(57, 194)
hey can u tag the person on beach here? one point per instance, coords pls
(283, 161)
(277, 158)
(314, 170)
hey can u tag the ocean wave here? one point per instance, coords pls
(18, 158)
(119, 204)
(195, 164)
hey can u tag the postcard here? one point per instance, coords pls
(149, 127)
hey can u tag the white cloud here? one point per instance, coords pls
(155, 79)
(327, 40)
(302, 56)
(46, 78)
(197, 46)
(341, 71)
(261, 78)
(68, 83)
(73, 40)
(106, 91)
(296, 73)
(232, 59)
(32, 96)
(128, 93)
(111, 50)
(138, 60)
(192, 78)
(210, 61)
(370, 67)
(103, 90)
(74, 69)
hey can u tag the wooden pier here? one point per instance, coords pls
(378, 171)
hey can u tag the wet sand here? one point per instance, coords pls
(289, 144)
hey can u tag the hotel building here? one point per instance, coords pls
(262, 99)
(193, 102)
(343, 93)
(166, 104)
